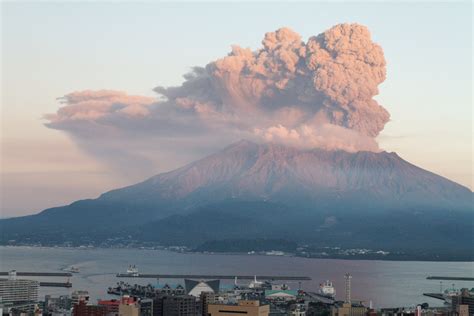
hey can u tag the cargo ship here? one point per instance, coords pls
(327, 289)
(132, 271)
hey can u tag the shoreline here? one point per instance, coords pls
(291, 255)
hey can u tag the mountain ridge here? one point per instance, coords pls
(250, 190)
(247, 164)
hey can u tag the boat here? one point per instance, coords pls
(72, 269)
(327, 289)
(275, 253)
(132, 271)
(255, 284)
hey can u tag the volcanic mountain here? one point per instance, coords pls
(252, 191)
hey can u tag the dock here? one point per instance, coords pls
(450, 278)
(438, 296)
(210, 277)
(40, 274)
(56, 284)
(320, 298)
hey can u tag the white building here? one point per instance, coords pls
(79, 296)
(195, 288)
(21, 295)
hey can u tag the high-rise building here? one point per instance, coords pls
(181, 305)
(83, 309)
(146, 307)
(462, 310)
(129, 306)
(17, 294)
(57, 305)
(206, 299)
(464, 298)
(79, 296)
(111, 306)
(250, 308)
(158, 304)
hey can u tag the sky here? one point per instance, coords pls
(52, 49)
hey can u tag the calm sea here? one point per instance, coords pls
(386, 283)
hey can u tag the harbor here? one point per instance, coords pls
(99, 274)
(132, 272)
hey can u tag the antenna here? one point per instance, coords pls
(348, 278)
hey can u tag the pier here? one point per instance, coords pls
(438, 296)
(56, 284)
(450, 278)
(40, 274)
(320, 298)
(209, 277)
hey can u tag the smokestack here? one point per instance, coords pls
(348, 278)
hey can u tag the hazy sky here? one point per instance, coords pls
(51, 49)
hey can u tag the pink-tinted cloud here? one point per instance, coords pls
(94, 105)
(317, 93)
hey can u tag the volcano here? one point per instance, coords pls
(251, 191)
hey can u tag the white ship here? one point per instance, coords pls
(255, 284)
(327, 289)
(275, 253)
(132, 270)
(72, 269)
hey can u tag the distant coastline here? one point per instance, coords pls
(351, 254)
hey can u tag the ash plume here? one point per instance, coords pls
(317, 93)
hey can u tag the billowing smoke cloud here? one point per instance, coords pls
(317, 93)
(96, 108)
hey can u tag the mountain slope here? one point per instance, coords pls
(269, 171)
(253, 190)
